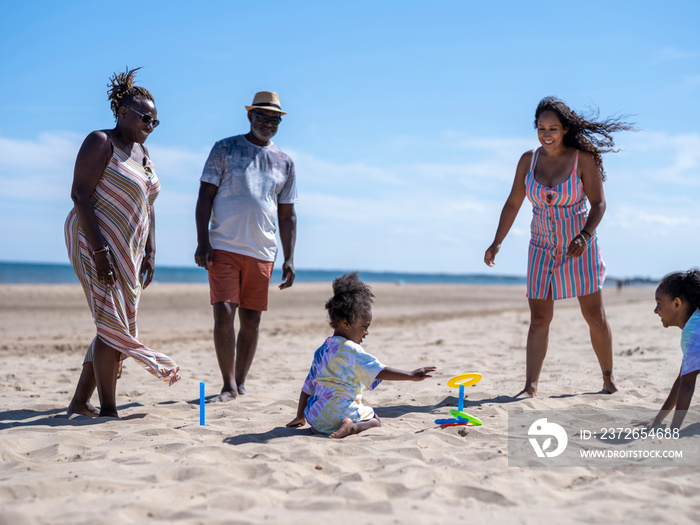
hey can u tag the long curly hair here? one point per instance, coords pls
(684, 285)
(122, 89)
(585, 133)
(351, 299)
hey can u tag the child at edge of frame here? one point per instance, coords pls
(678, 304)
(331, 397)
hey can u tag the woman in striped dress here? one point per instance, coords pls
(564, 260)
(110, 236)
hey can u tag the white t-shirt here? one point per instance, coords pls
(252, 181)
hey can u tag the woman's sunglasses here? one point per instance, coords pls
(145, 117)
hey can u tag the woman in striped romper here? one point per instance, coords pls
(564, 260)
(110, 236)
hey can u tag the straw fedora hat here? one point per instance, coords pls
(268, 100)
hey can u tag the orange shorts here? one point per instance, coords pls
(239, 279)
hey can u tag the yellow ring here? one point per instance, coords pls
(464, 379)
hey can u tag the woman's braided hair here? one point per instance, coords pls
(591, 136)
(122, 89)
(684, 285)
(351, 300)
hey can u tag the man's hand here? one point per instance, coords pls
(203, 255)
(288, 275)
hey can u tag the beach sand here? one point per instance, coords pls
(158, 465)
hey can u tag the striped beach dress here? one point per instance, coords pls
(122, 201)
(558, 215)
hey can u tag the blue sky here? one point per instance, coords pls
(406, 119)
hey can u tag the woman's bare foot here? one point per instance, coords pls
(609, 386)
(346, 428)
(84, 409)
(525, 394)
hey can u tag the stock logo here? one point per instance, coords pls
(542, 428)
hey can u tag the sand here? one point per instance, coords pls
(158, 465)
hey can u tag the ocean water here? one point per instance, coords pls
(42, 273)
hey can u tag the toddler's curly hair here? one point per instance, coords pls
(685, 285)
(351, 299)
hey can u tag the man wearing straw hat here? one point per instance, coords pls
(248, 186)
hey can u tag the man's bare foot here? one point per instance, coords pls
(346, 428)
(83, 409)
(109, 413)
(241, 390)
(224, 396)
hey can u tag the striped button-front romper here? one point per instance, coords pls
(558, 215)
(122, 200)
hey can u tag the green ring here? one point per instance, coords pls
(464, 415)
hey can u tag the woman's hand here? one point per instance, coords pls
(148, 267)
(104, 267)
(490, 255)
(422, 373)
(148, 264)
(577, 245)
(298, 421)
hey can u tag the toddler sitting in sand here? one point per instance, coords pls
(678, 304)
(331, 398)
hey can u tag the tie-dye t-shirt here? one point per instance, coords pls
(341, 370)
(690, 344)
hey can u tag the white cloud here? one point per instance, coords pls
(633, 218)
(313, 171)
(673, 54)
(662, 157)
(51, 150)
(691, 82)
(38, 170)
(178, 166)
(502, 148)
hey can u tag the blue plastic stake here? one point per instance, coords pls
(201, 403)
(460, 403)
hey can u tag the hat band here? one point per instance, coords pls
(270, 104)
